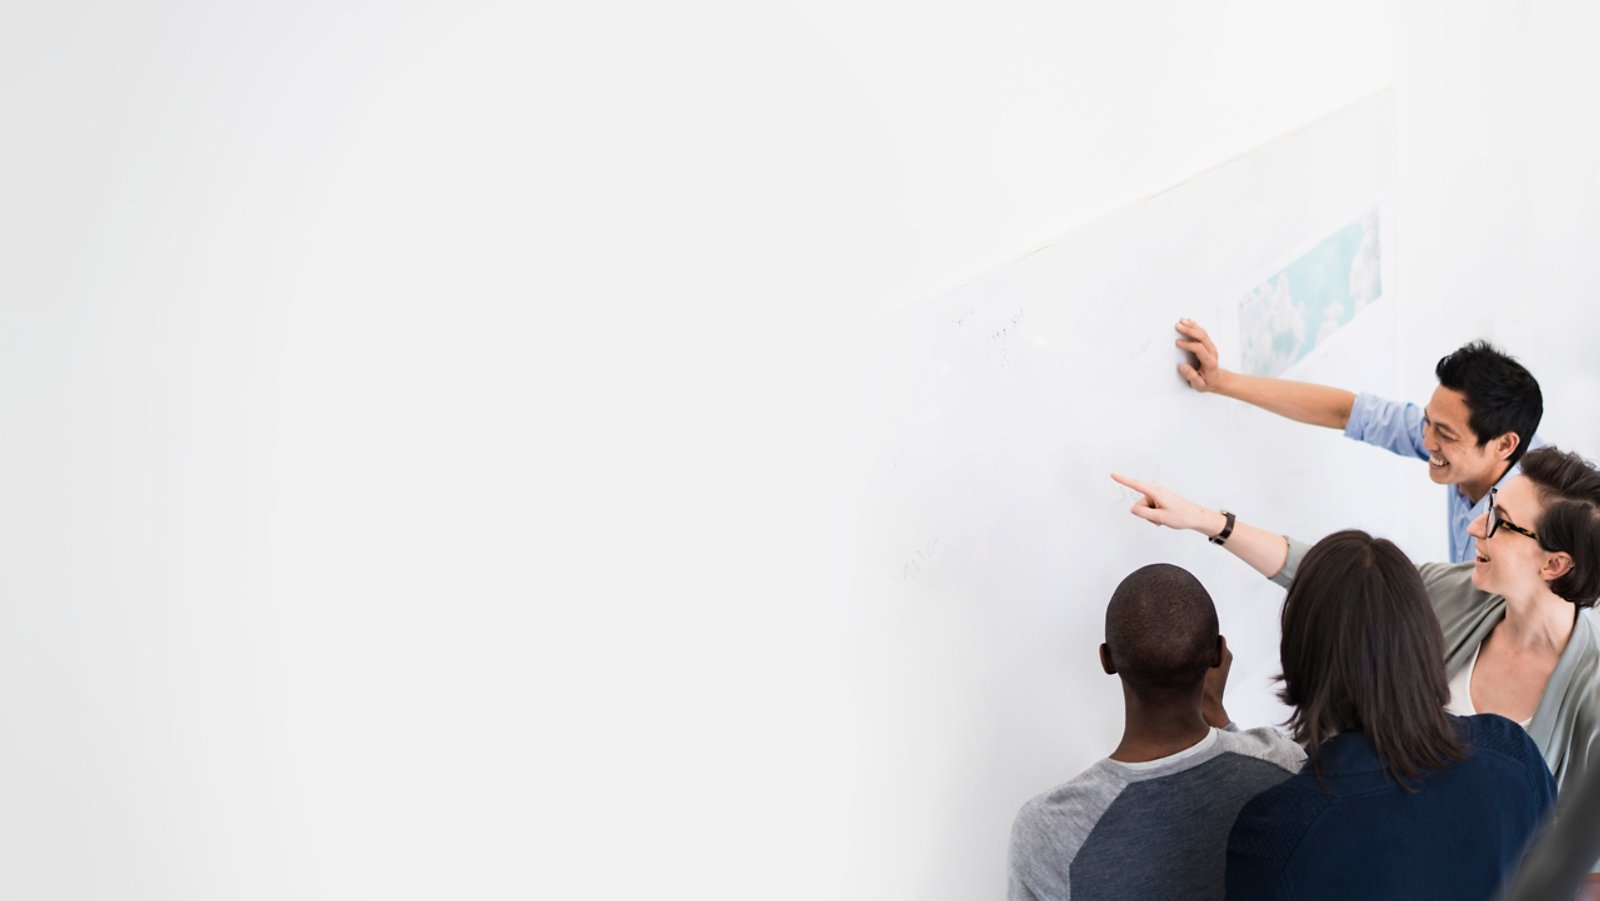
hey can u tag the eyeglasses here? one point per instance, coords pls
(1496, 521)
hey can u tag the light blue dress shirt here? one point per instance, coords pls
(1397, 427)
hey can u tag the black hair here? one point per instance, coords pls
(1569, 486)
(1161, 628)
(1362, 652)
(1501, 394)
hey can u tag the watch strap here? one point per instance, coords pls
(1227, 529)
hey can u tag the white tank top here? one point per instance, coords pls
(1461, 691)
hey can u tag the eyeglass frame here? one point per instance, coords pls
(1494, 521)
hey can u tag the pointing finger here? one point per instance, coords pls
(1135, 484)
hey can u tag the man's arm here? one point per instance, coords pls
(1300, 401)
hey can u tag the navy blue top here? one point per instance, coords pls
(1358, 834)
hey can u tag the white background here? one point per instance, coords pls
(423, 439)
(992, 535)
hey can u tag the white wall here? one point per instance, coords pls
(422, 453)
(991, 536)
(1501, 191)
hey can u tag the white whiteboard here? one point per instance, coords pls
(991, 535)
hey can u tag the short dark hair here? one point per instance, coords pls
(1362, 652)
(1502, 395)
(1570, 488)
(1161, 628)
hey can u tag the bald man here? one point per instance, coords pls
(1152, 820)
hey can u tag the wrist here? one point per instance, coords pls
(1222, 382)
(1214, 524)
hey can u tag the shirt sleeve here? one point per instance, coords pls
(1017, 890)
(1393, 426)
(1024, 850)
(1291, 564)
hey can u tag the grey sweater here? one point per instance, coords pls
(1145, 830)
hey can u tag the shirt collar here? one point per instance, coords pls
(1171, 760)
(1483, 502)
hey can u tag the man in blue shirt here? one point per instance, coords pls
(1476, 426)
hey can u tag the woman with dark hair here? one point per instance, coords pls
(1520, 638)
(1391, 778)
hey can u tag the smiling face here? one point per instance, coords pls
(1510, 563)
(1454, 457)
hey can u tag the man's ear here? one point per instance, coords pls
(1105, 660)
(1222, 652)
(1503, 446)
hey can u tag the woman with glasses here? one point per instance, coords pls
(1377, 811)
(1519, 637)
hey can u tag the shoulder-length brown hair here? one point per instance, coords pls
(1362, 652)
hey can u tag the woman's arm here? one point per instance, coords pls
(1265, 551)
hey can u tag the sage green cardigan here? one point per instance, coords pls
(1566, 724)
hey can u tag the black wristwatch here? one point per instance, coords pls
(1227, 529)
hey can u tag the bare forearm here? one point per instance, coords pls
(1266, 552)
(1300, 401)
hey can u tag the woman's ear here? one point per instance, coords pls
(1556, 565)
